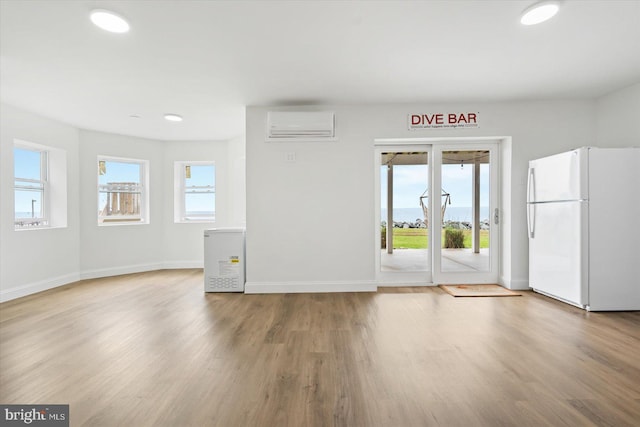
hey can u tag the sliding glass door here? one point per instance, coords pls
(402, 214)
(467, 224)
(436, 213)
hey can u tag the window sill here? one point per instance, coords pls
(45, 227)
(121, 223)
(195, 221)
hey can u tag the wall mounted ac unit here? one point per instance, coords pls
(301, 126)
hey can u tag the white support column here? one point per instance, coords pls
(476, 207)
(390, 208)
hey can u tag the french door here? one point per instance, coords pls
(437, 218)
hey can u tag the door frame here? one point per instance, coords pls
(469, 277)
(432, 146)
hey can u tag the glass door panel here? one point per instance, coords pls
(403, 195)
(467, 230)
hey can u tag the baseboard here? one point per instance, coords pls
(117, 271)
(176, 265)
(515, 285)
(404, 284)
(32, 288)
(309, 287)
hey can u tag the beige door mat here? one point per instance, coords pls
(478, 291)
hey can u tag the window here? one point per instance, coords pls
(195, 195)
(122, 191)
(31, 186)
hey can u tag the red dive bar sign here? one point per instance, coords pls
(442, 120)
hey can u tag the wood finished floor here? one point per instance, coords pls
(152, 349)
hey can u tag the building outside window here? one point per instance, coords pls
(195, 195)
(122, 191)
(31, 188)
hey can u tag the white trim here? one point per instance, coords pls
(41, 185)
(117, 271)
(492, 275)
(42, 285)
(518, 284)
(309, 287)
(176, 265)
(48, 227)
(405, 283)
(437, 140)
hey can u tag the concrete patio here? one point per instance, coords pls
(453, 260)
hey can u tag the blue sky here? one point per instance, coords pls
(120, 172)
(27, 165)
(201, 175)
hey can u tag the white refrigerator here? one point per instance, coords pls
(583, 218)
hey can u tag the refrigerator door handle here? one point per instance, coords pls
(531, 182)
(531, 219)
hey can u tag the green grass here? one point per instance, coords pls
(416, 238)
(410, 238)
(484, 238)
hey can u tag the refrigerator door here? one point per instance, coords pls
(559, 177)
(558, 251)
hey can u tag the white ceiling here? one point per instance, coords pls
(207, 60)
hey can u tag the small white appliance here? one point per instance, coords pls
(583, 211)
(224, 268)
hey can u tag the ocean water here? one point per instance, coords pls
(462, 214)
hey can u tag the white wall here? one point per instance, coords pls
(183, 245)
(85, 250)
(618, 118)
(119, 249)
(310, 224)
(237, 182)
(163, 243)
(35, 260)
(506, 212)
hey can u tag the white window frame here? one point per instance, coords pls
(181, 190)
(40, 185)
(142, 189)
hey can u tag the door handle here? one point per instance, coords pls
(531, 219)
(496, 216)
(531, 182)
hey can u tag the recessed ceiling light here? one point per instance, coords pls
(173, 117)
(539, 12)
(109, 21)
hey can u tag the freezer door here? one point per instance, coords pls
(557, 251)
(559, 177)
